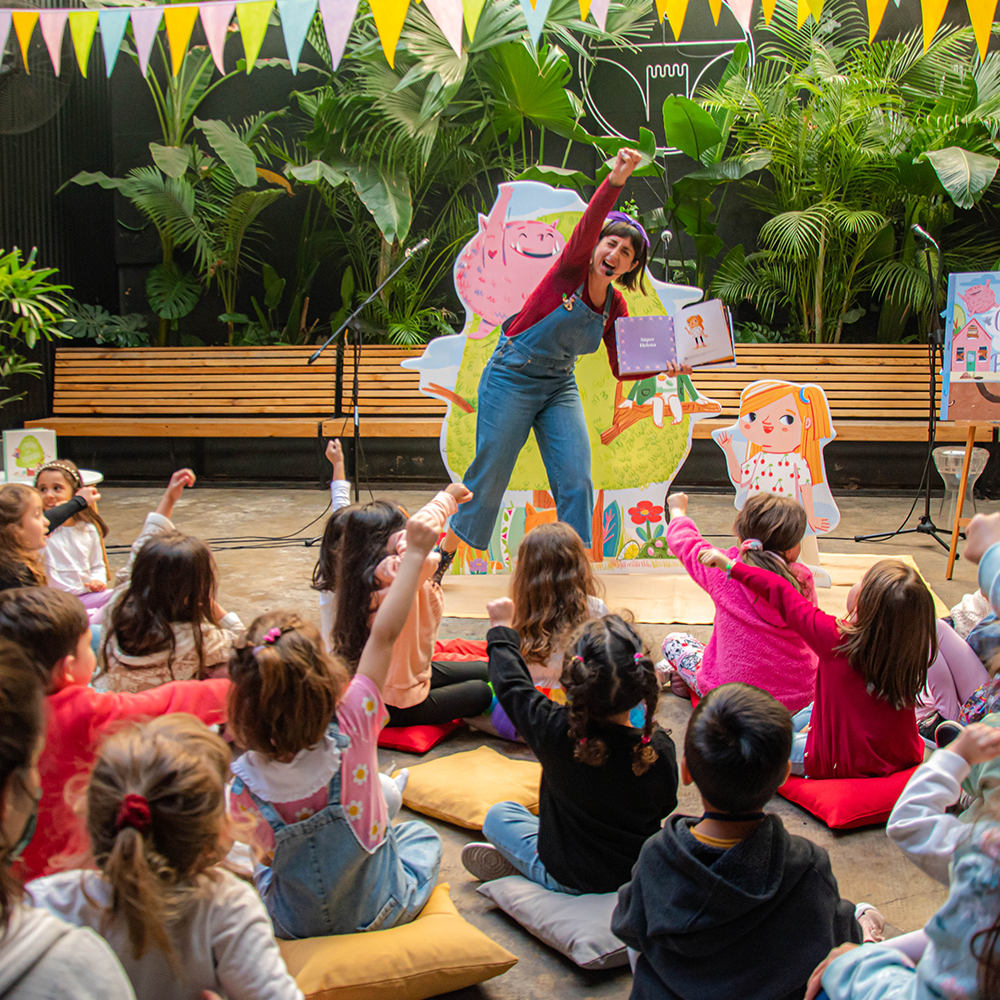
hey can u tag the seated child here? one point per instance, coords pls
(606, 786)
(331, 863)
(750, 641)
(960, 956)
(729, 904)
(872, 667)
(52, 627)
(178, 922)
(163, 622)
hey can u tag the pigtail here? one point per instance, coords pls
(644, 756)
(812, 401)
(767, 526)
(581, 682)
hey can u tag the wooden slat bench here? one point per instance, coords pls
(876, 393)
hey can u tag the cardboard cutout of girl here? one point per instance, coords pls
(776, 446)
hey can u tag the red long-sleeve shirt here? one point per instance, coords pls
(573, 269)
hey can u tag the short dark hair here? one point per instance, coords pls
(634, 278)
(737, 746)
(45, 622)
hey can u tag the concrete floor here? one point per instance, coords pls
(253, 580)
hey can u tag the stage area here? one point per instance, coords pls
(868, 867)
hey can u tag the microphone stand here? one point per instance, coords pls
(351, 323)
(935, 342)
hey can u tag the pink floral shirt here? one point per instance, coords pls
(300, 788)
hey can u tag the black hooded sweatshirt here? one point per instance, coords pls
(750, 922)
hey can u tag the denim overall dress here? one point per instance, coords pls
(322, 881)
(528, 384)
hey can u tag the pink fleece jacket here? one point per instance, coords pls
(750, 641)
(409, 678)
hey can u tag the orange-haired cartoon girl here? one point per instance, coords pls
(785, 427)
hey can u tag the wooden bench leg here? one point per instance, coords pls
(963, 483)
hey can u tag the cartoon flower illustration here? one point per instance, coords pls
(354, 809)
(478, 566)
(645, 511)
(369, 705)
(361, 774)
(304, 814)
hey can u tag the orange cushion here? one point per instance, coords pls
(844, 803)
(415, 739)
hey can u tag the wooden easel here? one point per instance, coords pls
(963, 485)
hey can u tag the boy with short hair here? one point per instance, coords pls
(52, 627)
(731, 905)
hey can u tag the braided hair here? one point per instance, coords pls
(607, 671)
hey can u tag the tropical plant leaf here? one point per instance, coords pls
(689, 127)
(556, 176)
(172, 293)
(735, 168)
(172, 160)
(317, 170)
(387, 196)
(232, 150)
(963, 174)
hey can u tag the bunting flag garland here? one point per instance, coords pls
(113, 23)
(145, 24)
(716, 7)
(215, 18)
(676, 11)
(802, 12)
(471, 9)
(932, 14)
(741, 11)
(389, 16)
(981, 13)
(179, 21)
(599, 9)
(295, 17)
(253, 18)
(337, 17)
(53, 25)
(769, 6)
(584, 9)
(448, 16)
(82, 25)
(4, 29)
(876, 11)
(24, 25)
(535, 16)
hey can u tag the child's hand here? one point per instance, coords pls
(335, 456)
(178, 481)
(96, 586)
(815, 983)
(982, 532)
(420, 537)
(677, 504)
(714, 558)
(459, 491)
(673, 369)
(90, 494)
(977, 743)
(501, 612)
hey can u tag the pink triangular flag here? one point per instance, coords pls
(448, 15)
(599, 8)
(215, 18)
(742, 11)
(338, 16)
(53, 23)
(145, 24)
(4, 30)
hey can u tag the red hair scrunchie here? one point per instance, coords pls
(134, 812)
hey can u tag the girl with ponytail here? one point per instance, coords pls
(178, 921)
(606, 786)
(750, 642)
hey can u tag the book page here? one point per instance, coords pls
(704, 335)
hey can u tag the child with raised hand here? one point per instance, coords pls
(872, 667)
(419, 691)
(606, 786)
(178, 921)
(164, 622)
(74, 554)
(728, 904)
(331, 863)
(52, 627)
(324, 578)
(960, 957)
(750, 641)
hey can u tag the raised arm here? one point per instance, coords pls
(178, 481)
(395, 607)
(685, 542)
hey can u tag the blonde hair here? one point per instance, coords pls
(179, 767)
(810, 402)
(15, 502)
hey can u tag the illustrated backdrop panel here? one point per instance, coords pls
(970, 387)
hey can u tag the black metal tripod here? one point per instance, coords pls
(935, 343)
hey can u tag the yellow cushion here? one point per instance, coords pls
(461, 787)
(437, 953)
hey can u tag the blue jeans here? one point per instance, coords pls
(513, 831)
(517, 395)
(799, 722)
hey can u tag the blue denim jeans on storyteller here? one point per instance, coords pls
(513, 831)
(799, 722)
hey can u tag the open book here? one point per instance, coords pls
(700, 336)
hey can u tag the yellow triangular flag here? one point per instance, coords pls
(24, 25)
(981, 13)
(82, 25)
(661, 10)
(932, 13)
(471, 9)
(769, 10)
(876, 11)
(802, 12)
(253, 18)
(585, 9)
(716, 6)
(389, 16)
(676, 10)
(180, 24)
(816, 9)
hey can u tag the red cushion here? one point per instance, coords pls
(469, 650)
(695, 698)
(844, 803)
(415, 739)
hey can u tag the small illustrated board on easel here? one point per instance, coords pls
(970, 379)
(26, 451)
(700, 335)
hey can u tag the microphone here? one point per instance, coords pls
(666, 236)
(924, 236)
(409, 253)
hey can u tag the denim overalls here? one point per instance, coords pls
(528, 384)
(322, 881)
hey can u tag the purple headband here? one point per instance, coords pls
(624, 217)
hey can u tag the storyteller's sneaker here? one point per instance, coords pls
(947, 733)
(484, 862)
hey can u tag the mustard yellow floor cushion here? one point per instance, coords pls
(436, 953)
(461, 787)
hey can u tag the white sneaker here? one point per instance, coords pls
(484, 862)
(872, 922)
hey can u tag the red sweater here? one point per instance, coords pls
(853, 734)
(571, 270)
(78, 720)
